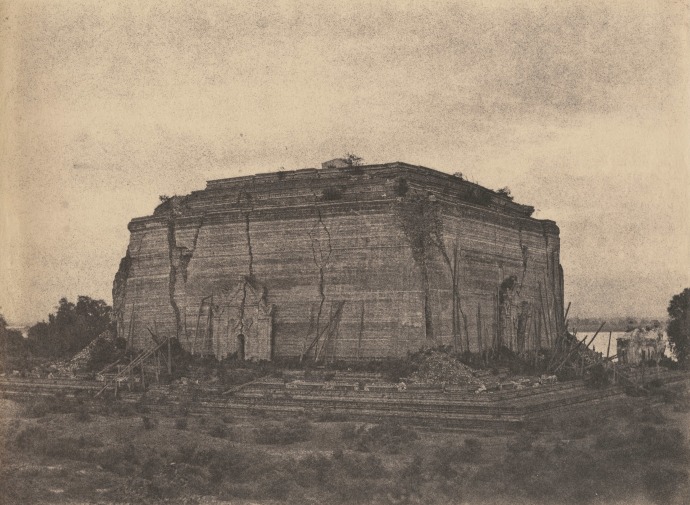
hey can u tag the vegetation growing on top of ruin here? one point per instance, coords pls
(353, 160)
(505, 191)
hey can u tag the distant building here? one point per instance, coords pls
(641, 345)
(343, 262)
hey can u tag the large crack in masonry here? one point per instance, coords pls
(249, 278)
(418, 220)
(321, 261)
(172, 279)
(524, 251)
(187, 254)
(246, 205)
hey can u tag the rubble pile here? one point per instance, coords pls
(80, 360)
(439, 367)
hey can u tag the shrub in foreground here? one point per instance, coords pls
(148, 423)
(390, 437)
(288, 432)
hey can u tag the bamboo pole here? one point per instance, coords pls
(565, 316)
(578, 346)
(130, 339)
(608, 347)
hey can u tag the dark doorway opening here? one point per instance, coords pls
(240, 346)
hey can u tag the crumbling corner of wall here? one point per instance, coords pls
(120, 283)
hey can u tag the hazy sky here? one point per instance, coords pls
(580, 107)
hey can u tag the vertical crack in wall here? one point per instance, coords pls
(249, 245)
(321, 260)
(419, 220)
(172, 278)
(551, 326)
(186, 255)
(524, 251)
(249, 278)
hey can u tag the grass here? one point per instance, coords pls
(635, 453)
(148, 422)
(390, 437)
(283, 432)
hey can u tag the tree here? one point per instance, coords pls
(71, 328)
(13, 347)
(679, 325)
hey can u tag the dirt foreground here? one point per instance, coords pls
(112, 452)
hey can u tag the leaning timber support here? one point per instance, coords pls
(577, 347)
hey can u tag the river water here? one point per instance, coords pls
(601, 341)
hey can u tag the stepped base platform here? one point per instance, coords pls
(430, 407)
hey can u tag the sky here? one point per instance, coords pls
(579, 107)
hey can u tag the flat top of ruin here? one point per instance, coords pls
(336, 174)
(338, 167)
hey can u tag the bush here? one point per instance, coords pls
(313, 469)
(36, 440)
(359, 467)
(29, 437)
(120, 459)
(446, 460)
(67, 447)
(598, 376)
(349, 432)
(329, 416)
(181, 423)
(613, 440)
(521, 444)
(661, 442)
(82, 414)
(35, 409)
(288, 432)
(218, 431)
(662, 484)
(47, 405)
(473, 448)
(230, 463)
(149, 423)
(389, 437)
(122, 409)
(649, 415)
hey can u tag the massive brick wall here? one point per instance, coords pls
(324, 262)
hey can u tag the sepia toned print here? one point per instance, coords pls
(344, 252)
